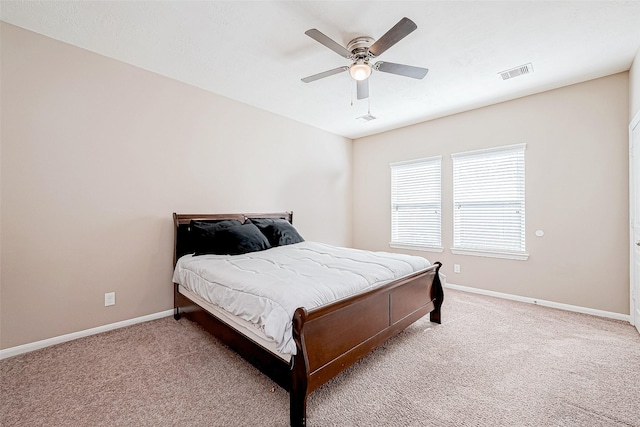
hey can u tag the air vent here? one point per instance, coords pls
(518, 71)
(366, 118)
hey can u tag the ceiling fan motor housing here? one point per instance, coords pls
(359, 47)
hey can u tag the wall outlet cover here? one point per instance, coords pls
(109, 299)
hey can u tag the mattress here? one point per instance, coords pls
(265, 288)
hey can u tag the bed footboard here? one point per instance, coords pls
(332, 338)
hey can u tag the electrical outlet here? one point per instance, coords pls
(109, 299)
(456, 268)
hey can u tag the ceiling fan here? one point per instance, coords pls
(362, 50)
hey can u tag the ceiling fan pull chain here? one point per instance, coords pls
(353, 88)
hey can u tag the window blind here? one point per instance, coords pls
(415, 203)
(489, 200)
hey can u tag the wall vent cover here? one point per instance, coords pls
(517, 71)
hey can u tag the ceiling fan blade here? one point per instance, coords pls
(401, 69)
(363, 88)
(324, 74)
(322, 39)
(399, 31)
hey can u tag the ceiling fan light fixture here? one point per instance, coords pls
(360, 70)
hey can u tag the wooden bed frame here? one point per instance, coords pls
(329, 338)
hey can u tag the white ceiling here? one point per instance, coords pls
(256, 52)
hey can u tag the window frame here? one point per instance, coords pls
(518, 197)
(435, 161)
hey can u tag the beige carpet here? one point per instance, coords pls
(491, 363)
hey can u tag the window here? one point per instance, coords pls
(488, 202)
(415, 204)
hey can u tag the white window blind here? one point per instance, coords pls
(415, 204)
(489, 202)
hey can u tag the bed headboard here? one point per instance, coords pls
(183, 243)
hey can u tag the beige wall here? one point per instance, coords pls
(576, 190)
(634, 87)
(97, 154)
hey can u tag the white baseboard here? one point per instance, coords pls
(25, 348)
(552, 304)
(21, 349)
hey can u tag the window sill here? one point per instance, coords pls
(415, 247)
(491, 254)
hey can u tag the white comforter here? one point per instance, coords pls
(265, 288)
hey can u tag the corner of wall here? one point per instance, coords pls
(634, 86)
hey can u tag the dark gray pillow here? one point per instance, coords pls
(240, 239)
(203, 234)
(278, 231)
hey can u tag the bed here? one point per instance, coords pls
(325, 339)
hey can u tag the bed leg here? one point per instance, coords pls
(438, 295)
(434, 316)
(298, 408)
(298, 391)
(176, 314)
